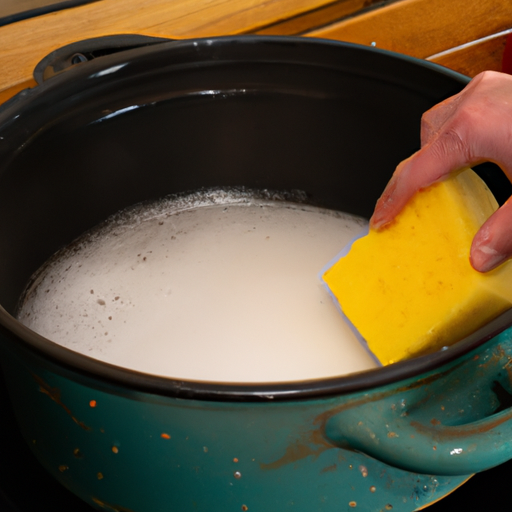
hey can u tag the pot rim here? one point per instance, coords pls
(25, 341)
(21, 338)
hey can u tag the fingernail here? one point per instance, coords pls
(377, 221)
(485, 258)
(380, 216)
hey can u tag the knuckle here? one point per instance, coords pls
(427, 131)
(449, 143)
(488, 76)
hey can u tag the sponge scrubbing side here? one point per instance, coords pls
(409, 288)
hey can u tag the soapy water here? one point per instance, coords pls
(217, 286)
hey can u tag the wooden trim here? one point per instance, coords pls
(421, 28)
(11, 91)
(476, 56)
(320, 16)
(25, 43)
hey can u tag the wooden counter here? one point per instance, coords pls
(466, 35)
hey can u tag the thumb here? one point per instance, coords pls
(492, 245)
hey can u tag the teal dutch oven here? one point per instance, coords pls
(106, 129)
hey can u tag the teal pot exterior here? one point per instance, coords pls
(398, 447)
(325, 118)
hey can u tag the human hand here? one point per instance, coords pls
(469, 128)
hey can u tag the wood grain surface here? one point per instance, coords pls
(422, 28)
(9, 7)
(321, 16)
(466, 35)
(26, 42)
(476, 56)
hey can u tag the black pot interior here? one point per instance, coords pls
(326, 118)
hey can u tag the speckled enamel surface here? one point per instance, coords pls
(122, 450)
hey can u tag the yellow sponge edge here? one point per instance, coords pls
(409, 289)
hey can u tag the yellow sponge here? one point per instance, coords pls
(409, 288)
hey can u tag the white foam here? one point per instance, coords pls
(215, 287)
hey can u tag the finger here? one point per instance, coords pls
(433, 120)
(430, 164)
(492, 244)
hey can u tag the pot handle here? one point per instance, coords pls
(452, 422)
(87, 50)
(82, 51)
(415, 446)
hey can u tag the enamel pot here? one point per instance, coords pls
(326, 118)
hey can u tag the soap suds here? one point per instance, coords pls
(215, 286)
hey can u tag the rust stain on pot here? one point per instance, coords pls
(508, 368)
(499, 354)
(376, 397)
(462, 431)
(109, 507)
(313, 443)
(332, 467)
(54, 394)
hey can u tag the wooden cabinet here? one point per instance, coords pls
(465, 35)
(468, 36)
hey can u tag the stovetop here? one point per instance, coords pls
(26, 487)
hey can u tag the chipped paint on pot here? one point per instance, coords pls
(267, 456)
